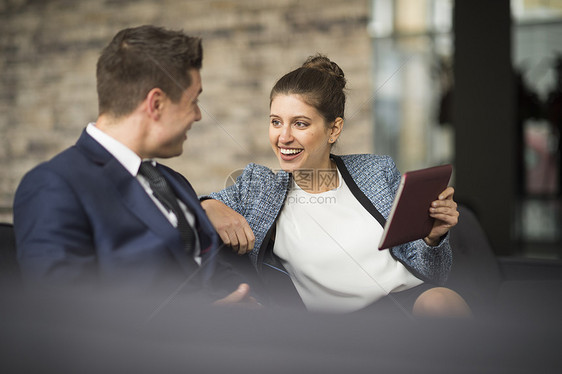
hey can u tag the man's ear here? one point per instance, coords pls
(154, 103)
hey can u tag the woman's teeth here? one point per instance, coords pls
(286, 151)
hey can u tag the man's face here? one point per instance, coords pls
(177, 118)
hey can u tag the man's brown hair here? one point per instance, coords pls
(142, 58)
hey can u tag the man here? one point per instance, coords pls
(95, 214)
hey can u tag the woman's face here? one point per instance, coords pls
(299, 135)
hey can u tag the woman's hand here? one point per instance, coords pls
(231, 226)
(444, 210)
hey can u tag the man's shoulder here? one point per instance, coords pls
(65, 162)
(72, 166)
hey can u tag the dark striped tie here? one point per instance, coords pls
(163, 192)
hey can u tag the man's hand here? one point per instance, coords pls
(240, 298)
(444, 210)
(231, 226)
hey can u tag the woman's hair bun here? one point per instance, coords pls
(319, 82)
(323, 63)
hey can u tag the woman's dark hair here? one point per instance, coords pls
(321, 84)
(142, 58)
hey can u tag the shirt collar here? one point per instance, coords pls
(126, 157)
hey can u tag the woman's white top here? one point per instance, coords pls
(328, 244)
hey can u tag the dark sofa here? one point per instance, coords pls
(490, 282)
(93, 334)
(9, 270)
(483, 279)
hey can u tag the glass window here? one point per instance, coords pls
(537, 63)
(412, 78)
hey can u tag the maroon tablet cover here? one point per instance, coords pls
(409, 217)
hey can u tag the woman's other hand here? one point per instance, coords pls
(232, 227)
(444, 210)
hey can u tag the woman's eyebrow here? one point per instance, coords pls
(293, 117)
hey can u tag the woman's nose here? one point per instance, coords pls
(286, 135)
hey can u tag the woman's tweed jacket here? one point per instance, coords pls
(259, 195)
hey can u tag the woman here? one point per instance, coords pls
(316, 219)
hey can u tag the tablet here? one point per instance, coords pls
(409, 217)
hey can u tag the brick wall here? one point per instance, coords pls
(47, 75)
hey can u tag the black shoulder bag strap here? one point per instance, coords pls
(359, 195)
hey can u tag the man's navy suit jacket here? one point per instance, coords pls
(82, 216)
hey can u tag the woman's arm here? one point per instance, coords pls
(225, 210)
(231, 226)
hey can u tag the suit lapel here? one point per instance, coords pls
(135, 198)
(207, 235)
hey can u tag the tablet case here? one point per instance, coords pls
(409, 217)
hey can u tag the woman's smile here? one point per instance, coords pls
(289, 154)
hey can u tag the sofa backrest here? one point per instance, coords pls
(9, 269)
(475, 272)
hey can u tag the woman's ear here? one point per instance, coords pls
(336, 129)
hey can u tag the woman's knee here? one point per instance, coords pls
(441, 302)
